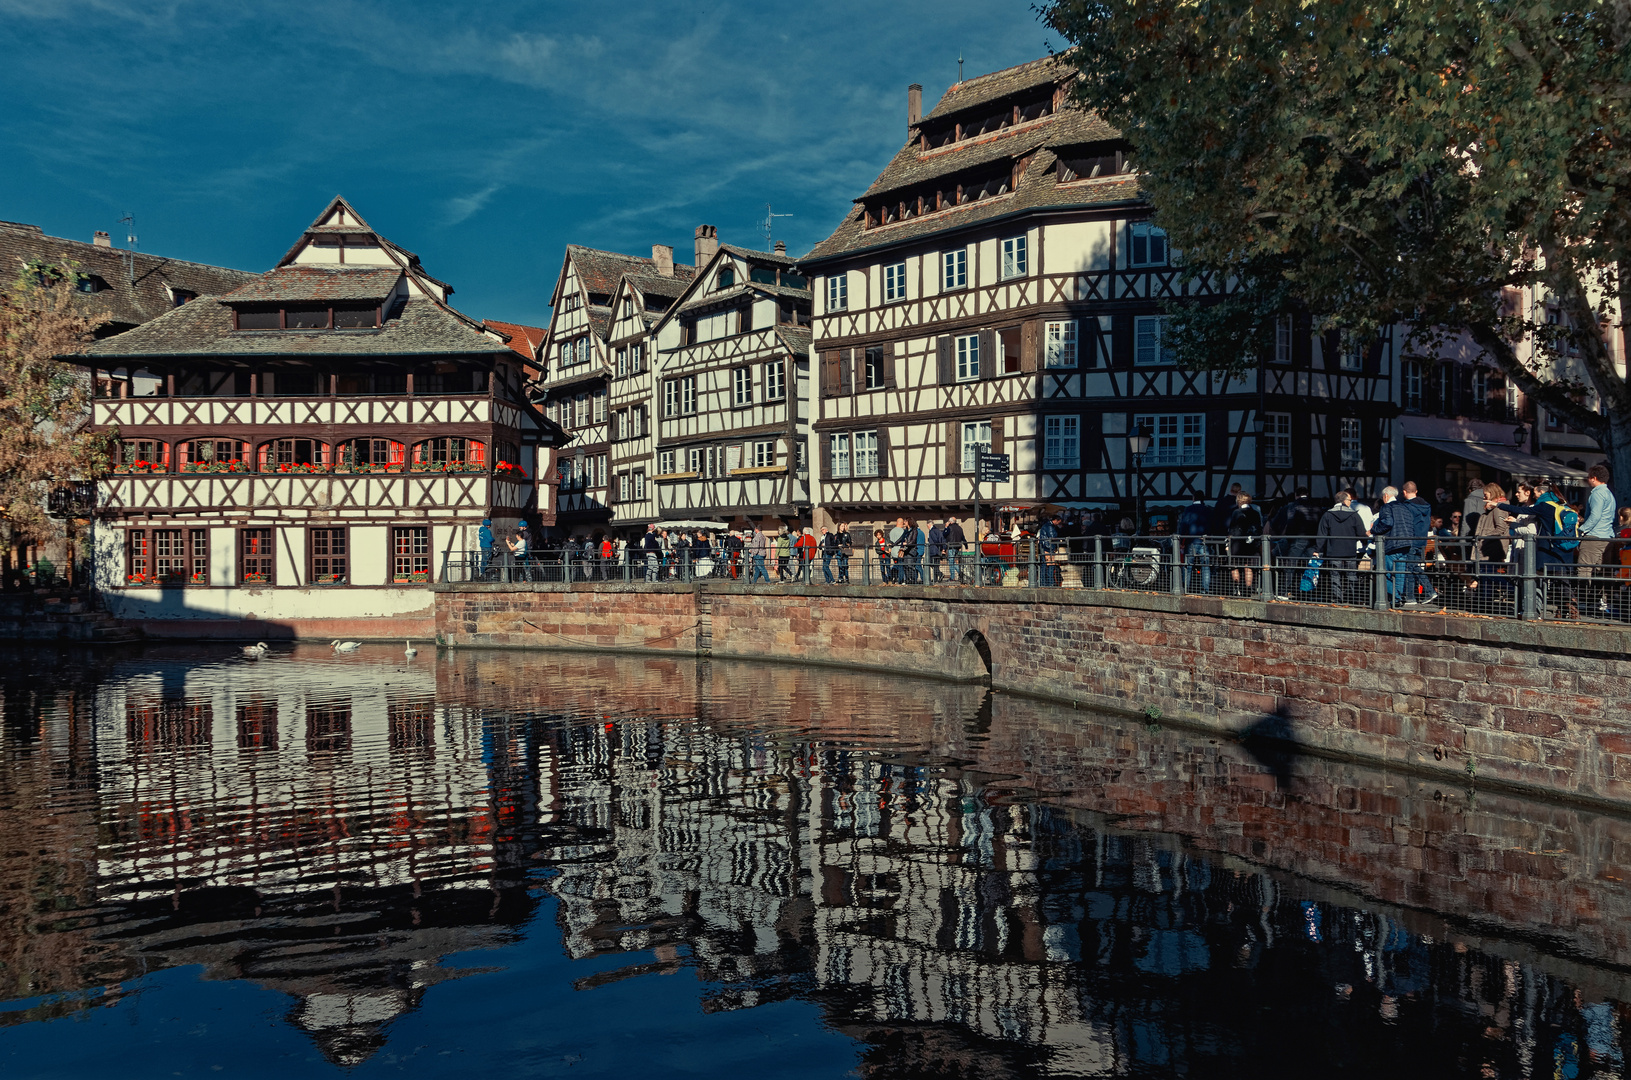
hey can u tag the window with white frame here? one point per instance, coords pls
(838, 456)
(1480, 389)
(1352, 447)
(954, 269)
(1277, 440)
(1175, 438)
(968, 357)
(1146, 245)
(1511, 400)
(741, 386)
(639, 476)
(602, 462)
(976, 441)
(1061, 442)
(620, 425)
(1282, 340)
(1411, 379)
(1015, 261)
(671, 397)
(637, 358)
(622, 362)
(693, 462)
(580, 410)
(600, 406)
(1351, 352)
(764, 454)
(1059, 339)
(866, 453)
(894, 282)
(873, 376)
(775, 381)
(1150, 344)
(838, 291)
(625, 487)
(688, 395)
(665, 462)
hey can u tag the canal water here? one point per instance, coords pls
(543, 864)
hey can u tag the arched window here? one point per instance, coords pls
(369, 456)
(293, 456)
(214, 456)
(450, 455)
(507, 461)
(143, 456)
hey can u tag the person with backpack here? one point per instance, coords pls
(653, 549)
(484, 541)
(1557, 537)
(1338, 542)
(1596, 531)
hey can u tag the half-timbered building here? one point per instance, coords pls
(305, 449)
(576, 384)
(1001, 287)
(641, 299)
(731, 392)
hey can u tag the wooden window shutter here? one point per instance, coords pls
(1217, 437)
(883, 451)
(1370, 440)
(1121, 341)
(889, 365)
(946, 361)
(846, 372)
(996, 434)
(1030, 346)
(829, 373)
(988, 354)
(857, 367)
(954, 447)
(826, 454)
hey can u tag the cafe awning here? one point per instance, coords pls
(1506, 459)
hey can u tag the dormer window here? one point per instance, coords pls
(181, 296)
(971, 123)
(726, 278)
(1095, 161)
(308, 317)
(90, 283)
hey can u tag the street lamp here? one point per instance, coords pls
(1138, 444)
(1520, 435)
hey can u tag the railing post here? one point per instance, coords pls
(1030, 563)
(866, 564)
(685, 564)
(1265, 573)
(447, 557)
(1176, 585)
(1098, 562)
(1379, 598)
(1528, 588)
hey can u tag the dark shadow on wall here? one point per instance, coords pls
(1273, 743)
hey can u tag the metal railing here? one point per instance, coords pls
(1531, 578)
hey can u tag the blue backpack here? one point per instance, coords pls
(1565, 522)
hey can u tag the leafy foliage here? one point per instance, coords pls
(1384, 162)
(44, 402)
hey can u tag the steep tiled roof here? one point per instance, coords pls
(600, 320)
(999, 84)
(1038, 186)
(290, 283)
(658, 285)
(776, 257)
(796, 338)
(204, 328)
(524, 339)
(600, 270)
(134, 295)
(735, 292)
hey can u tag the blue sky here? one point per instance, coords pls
(484, 137)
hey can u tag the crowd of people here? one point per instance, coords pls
(1474, 550)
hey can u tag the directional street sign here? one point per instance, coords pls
(993, 468)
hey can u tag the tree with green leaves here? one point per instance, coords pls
(45, 440)
(1389, 162)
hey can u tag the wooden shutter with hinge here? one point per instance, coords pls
(829, 373)
(889, 365)
(946, 361)
(1030, 346)
(988, 354)
(883, 450)
(846, 371)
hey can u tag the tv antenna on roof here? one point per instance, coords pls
(129, 222)
(769, 222)
(959, 65)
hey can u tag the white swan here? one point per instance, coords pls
(255, 651)
(410, 652)
(347, 646)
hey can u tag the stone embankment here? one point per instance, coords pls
(1493, 703)
(63, 618)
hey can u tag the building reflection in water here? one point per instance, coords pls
(964, 884)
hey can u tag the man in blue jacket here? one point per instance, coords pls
(1192, 526)
(1393, 517)
(484, 540)
(1421, 525)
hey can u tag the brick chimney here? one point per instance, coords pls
(102, 239)
(914, 105)
(662, 257)
(781, 247)
(707, 244)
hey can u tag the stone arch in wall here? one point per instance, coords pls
(975, 656)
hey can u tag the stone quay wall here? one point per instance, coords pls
(1477, 702)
